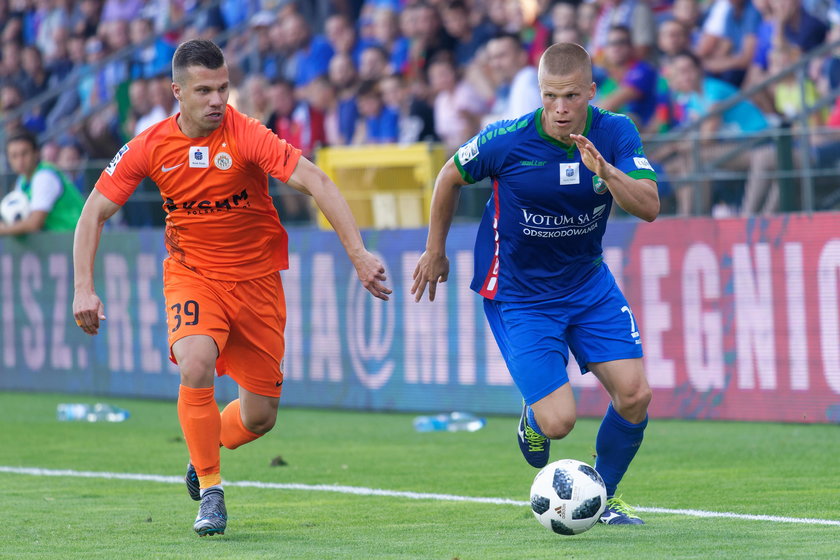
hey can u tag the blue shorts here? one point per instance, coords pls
(535, 337)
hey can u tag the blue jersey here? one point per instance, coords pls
(540, 235)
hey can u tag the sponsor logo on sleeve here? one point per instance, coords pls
(468, 151)
(113, 165)
(642, 163)
(598, 185)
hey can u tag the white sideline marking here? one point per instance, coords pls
(362, 491)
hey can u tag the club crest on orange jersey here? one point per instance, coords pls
(223, 161)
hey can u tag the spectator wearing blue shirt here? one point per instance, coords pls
(343, 75)
(786, 21)
(697, 96)
(378, 124)
(728, 41)
(311, 54)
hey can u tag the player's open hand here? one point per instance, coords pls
(430, 270)
(372, 274)
(88, 312)
(590, 156)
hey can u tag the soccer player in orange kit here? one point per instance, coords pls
(225, 305)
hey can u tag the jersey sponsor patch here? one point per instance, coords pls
(113, 165)
(569, 173)
(223, 161)
(468, 151)
(642, 163)
(598, 185)
(199, 156)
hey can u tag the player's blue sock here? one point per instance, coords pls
(616, 445)
(532, 421)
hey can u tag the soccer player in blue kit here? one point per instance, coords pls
(539, 264)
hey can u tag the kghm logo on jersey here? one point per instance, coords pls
(193, 207)
(223, 161)
(598, 185)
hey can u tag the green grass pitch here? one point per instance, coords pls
(780, 470)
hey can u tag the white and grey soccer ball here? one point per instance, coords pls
(14, 207)
(568, 496)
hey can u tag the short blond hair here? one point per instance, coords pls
(562, 59)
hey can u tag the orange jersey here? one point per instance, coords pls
(220, 220)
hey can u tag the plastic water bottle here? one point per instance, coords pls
(449, 422)
(99, 412)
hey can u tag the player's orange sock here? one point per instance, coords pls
(234, 432)
(201, 424)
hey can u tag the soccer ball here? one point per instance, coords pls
(14, 207)
(568, 496)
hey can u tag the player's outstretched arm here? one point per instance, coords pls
(87, 307)
(310, 179)
(639, 197)
(433, 265)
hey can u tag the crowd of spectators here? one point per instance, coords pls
(352, 72)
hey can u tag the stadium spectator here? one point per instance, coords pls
(636, 15)
(421, 25)
(342, 37)
(377, 123)
(542, 298)
(416, 117)
(322, 96)
(50, 17)
(85, 18)
(11, 65)
(690, 14)
(631, 84)
(786, 22)
(587, 17)
(672, 38)
(295, 121)
(54, 202)
(310, 55)
(343, 75)
(374, 63)
(121, 10)
(10, 101)
(468, 39)
(254, 98)
(71, 161)
(35, 76)
(152, 55)
(457, 107)
(791, 96)
(696, 96)
(386, 32)
(160, 104)
(515, 82)
(261, 55)
(226, 269)
(727, 43)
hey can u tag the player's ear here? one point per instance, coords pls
(176, 91)
(592, 89)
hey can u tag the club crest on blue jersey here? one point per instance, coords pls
(598, 185)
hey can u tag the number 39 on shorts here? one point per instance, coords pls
(186, 314)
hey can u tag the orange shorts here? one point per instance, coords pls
(245, 319)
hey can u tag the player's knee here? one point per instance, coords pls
(556, 427)
(197, 370)
(633, 406)
(260, 424)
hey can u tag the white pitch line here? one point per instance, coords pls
(362, 491)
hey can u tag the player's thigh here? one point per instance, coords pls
(531, 339)
(603, 327)
(194, 307)
(253, 356)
